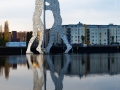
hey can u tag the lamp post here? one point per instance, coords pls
(44, 23)
(44, 42)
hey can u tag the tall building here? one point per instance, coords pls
(14, 37)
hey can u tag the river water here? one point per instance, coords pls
(99, 71)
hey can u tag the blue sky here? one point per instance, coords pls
(19, 13)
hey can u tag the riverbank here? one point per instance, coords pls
(59, 49)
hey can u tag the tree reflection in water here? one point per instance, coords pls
(34, 63)
(58, 81)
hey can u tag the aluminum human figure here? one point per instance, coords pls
(58, 80)
(37, 25)
(37, 63)
(54, 7)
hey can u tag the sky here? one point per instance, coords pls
(19, 13)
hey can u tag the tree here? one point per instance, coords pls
(2, 41)
(82, 38)
(6, 31)
(1, 32)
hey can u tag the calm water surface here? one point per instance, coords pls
(60, 72)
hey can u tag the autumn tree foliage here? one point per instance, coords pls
(2, 41)
(6, 31)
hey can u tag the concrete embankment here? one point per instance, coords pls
(75, 49)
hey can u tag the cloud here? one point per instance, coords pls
(16, 8)
(92, 16)
(19, 12)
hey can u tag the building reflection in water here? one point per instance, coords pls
(86, 64)
(7, 62)
(58, 80)
(81, 64)
(34, 62)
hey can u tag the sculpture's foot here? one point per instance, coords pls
(47, 50)
(68, 49)
(29, 52)
(43, 50)
(39, 50)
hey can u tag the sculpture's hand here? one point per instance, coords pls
(48, 7)
(48, 1)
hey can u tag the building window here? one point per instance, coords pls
(118, 36)
(92, 36)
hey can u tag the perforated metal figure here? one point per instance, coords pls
(54, 7)
(37, 25)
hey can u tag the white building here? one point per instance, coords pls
(93, 34)
(74, 33)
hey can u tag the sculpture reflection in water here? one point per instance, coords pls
(58, 81)
(36, 62)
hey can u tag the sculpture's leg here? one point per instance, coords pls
(40, 43)
(64, 38)
(51, 40)
(31, 41)
(40, 39)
